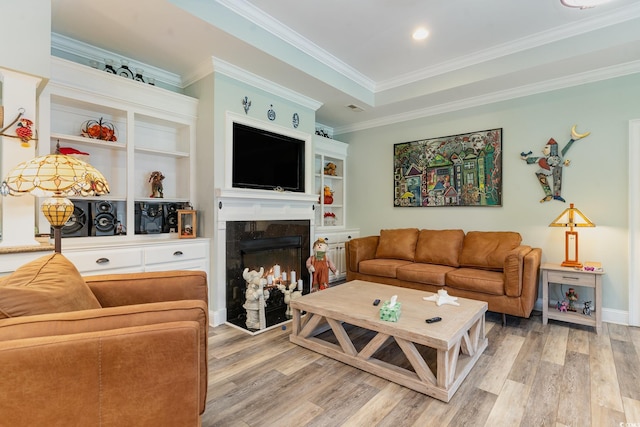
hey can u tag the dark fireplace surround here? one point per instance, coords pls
(264, 243)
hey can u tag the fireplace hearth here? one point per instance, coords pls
(283, 244)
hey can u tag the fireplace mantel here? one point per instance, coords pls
(242, 204)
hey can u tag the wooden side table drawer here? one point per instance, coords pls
(572, 278)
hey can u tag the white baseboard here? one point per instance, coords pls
(217, 318)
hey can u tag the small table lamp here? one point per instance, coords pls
(571, 217)
(55, 176)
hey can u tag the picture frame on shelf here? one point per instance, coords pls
(187, 223)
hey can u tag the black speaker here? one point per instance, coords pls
(170, 211)
(78, 224)
(149, 218)
(105, 218)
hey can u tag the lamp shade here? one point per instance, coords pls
(572, 217)
(57, 177)
(55, 174)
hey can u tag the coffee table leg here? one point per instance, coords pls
(295, 321)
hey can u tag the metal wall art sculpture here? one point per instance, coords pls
(457, 170)
(551, 165)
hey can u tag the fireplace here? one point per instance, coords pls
(282, 245)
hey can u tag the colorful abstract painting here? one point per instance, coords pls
(457, 170)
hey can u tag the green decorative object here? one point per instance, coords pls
(390, 310)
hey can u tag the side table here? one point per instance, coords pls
(554, 273)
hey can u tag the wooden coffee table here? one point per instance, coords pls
(459, 338)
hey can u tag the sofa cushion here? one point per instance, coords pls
(488, 249)
(439, 247)
(49, 284)
(397, 244)
(381, 267)
(430, 274)
(483, 281)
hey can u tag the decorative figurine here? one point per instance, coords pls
(319, 265)
(551, 165)
(256, 297)
(290, 294)
(587, 308)
(442, 297)
(328, 195)
(572, 296)
(23, 130)
(562, 306)
(156, 184)
(330, 169)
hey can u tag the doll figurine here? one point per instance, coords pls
(319, 265)
(572, 296)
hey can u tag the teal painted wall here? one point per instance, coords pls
(596, 181)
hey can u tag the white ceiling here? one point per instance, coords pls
(360, 52)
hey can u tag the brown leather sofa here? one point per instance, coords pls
(489, 266)
(140, 360)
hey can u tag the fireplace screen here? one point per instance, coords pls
(280, 249)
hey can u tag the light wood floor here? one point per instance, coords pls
(530, 375)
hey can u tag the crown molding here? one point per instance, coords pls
(515, 46)
(278, 29)
(93, 53)
(275, 27)
(223, 67)
(505, 95)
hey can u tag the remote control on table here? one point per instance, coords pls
(433, 319)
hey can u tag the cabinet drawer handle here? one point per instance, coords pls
(102, 260)
(178, 253)
(570, 278)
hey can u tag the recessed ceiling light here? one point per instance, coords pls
(583, 4)
(420, 34)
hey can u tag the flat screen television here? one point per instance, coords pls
(266, 160)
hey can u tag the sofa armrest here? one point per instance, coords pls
(143, 375)
(139, 288)
(514, 270)
(531, 278)
(64, 326)
(360, 249)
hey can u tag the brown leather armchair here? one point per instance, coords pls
(140, 360)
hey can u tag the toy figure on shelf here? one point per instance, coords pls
(572, 296)
(319, 265)
(156, 179)
(330, 169)
(587, 308)
(256, 297)
(328, 195)
(562, 306)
